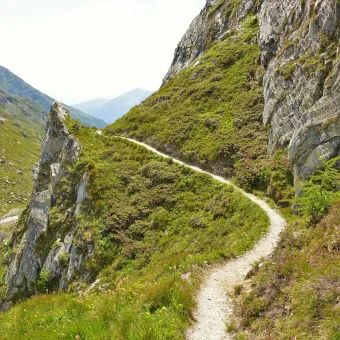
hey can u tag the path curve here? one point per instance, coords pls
(214, 307)
(9, 219)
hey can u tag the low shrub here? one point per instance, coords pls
(321, 191)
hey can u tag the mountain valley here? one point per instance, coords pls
(17, 87)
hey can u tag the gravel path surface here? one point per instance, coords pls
(8, 219)
(214, 307)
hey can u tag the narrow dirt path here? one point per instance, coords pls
(214, 307)
(8, 219)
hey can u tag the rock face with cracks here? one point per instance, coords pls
(215, 20)
(300, 52)
(300, 56)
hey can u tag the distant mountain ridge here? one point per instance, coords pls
(15, 86)
(22, 108)
(110, 110)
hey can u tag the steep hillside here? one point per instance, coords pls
(21, 108)
(21, 132)
(210, 108)
(211, 113)
(136, 227)
(217, 18)
(15, 86)
(231, 76)
(110, 110)
(23, 116)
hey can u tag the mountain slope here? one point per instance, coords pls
(21, 132)
(296, 293)
(211, 112)
(110, 110)
(217, 18)
(213, 310)
(22, 109)
(15, 86)
(297, 73)
(297, 70)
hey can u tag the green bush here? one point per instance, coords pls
(321, 191)
(43, 283)
(64, 260)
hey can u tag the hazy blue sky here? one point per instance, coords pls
(76, 50)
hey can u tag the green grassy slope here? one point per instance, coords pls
(21, 132)
(14, 85)
(211, 113)
(154, 225)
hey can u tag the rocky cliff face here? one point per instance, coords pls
(300, 51)
(300, 55)
(38, 249)
(217, 18)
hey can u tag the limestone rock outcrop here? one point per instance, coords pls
(59, 151)
(300, 51)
